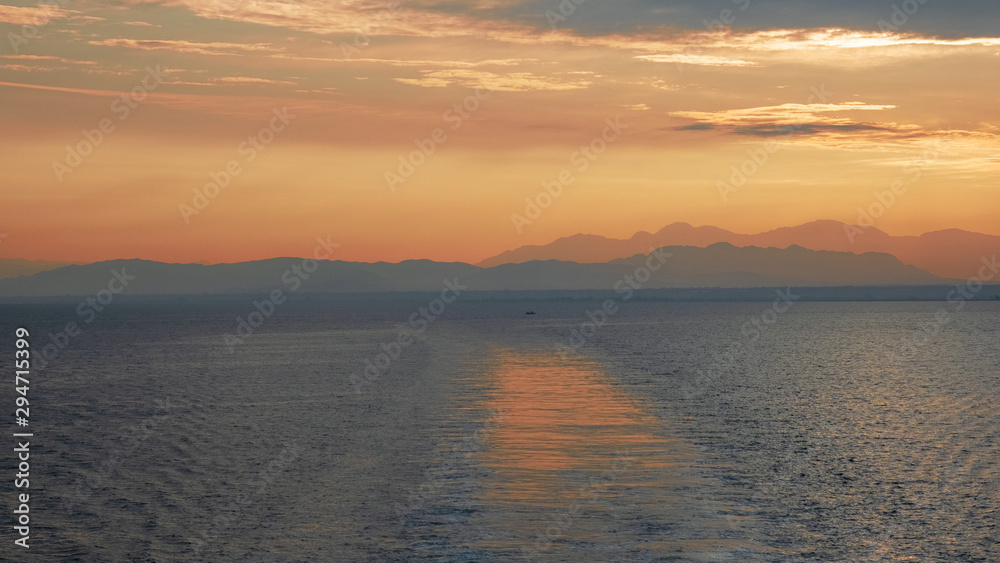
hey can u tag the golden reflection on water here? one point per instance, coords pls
(573, 458)
(557, 416)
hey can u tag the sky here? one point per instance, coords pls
(228, 130)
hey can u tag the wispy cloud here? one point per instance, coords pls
(47, 58)
(346, 16)
(38, 15)
(785, 114)
(249, 107)
(24, 68)
(251, 80)
(830, 126)
(509, 82)
(793, 120)
(213, 48)
(815, 39)
(816, 47)
(83, 91)
(442, 63)
(706, 60)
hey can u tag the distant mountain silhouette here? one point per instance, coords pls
(14, 267)
(950, 253)
(719, 265)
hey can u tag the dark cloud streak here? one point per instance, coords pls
(802, 129)
(696, 127)
(943, 18)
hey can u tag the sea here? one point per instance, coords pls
(417, 430)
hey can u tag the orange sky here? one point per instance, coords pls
(840, 113)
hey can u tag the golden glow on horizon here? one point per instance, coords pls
(849, 112)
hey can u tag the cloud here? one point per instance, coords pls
(373, 18)
(426, 63)
(705, 60)
(770, 130)
(347, 24)
(510, 22)
(39, 15)
(251, 80)
(785, 114)
(658, 84)
(836, 38)
(814, 47)
(247, 107)
(83, 91)
(794, 120)
(189, 83)
(626, 17)
(510, 82)
(24, 68)
(141, 24)
(324, 91)
(47, 58)
(696, 127)
(187, 46)
(827, 126)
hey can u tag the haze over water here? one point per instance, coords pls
(481, 442)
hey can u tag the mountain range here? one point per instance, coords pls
(720, 265)
(951, 253)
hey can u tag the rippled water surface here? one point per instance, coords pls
(672, 432)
